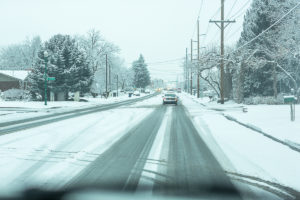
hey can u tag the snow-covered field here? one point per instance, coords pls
(51, 155)
(245, 151)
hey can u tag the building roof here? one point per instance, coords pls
(18, 74)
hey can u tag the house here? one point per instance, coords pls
(10, 79)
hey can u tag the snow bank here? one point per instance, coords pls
(272, 119)
(15, 110)
(243, 150)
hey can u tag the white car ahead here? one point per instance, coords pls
(170, 98)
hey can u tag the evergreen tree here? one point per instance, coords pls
(66, 63)
(259, 79)
(141, 73)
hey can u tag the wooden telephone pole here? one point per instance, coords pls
(198, 60)
(106, 75)
(186, 71)
(222, 26)
(191, 68)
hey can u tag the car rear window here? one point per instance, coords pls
(170, 95)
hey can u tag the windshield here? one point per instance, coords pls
(170, 95)
(161, 99)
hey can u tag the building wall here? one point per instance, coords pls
(6, 85)
(8, 82)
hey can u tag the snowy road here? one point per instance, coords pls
(190, 166)
(144, 146)
(42, 118)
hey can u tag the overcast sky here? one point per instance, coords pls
(159, 29)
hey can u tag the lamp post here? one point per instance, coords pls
(45, 75)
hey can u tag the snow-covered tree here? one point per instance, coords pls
(272, 47)
(66, 63)
(209, 68)
(20, 56)
(96, 48)
(141, 73)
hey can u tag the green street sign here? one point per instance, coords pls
(51, 78)
(290, 99)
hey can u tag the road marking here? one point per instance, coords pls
(155, 159)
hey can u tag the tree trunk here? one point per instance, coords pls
(228, 85)
(241, 80)
(275, 82)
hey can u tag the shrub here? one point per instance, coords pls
(270, 100)
(15, 94)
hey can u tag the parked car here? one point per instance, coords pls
(147, 91)
(136, 93)
(170, 98)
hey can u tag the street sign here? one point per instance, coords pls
(51, 78)
(290, 99)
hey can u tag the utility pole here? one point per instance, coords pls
(186, 71)
(106, 75)
(191, 67)
(198, 59)
(117, 85)
(109, 77)
(222, 27)
(45, 76)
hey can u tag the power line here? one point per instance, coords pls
(166, 72)
(208, 25)
(206, 32)
(164, 61)
(236, 17)
(215, 36)
(218, 10)
(200, 9)
(233, 33)
(240, 10)
(199, 12)
(266, 30)
(231, 9)
(158, 65)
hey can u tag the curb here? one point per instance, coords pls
(259, 130)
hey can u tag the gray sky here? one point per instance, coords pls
(159, 29)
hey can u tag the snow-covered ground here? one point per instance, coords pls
(51, 155)
(242, 150)
(13, 110)
(63, 104)
(273, 120)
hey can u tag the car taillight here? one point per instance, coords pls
(164, 98)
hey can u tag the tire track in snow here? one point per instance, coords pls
(121, 166)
